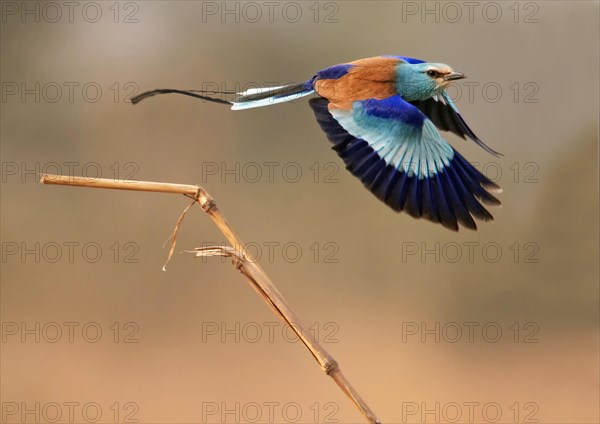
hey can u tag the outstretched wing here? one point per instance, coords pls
(399, 155)
(444, 114)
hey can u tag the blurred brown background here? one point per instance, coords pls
(201, 346)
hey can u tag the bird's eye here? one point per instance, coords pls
(432, 73)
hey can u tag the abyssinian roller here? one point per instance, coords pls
(383, 116)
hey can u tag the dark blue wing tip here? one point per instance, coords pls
(469, 132)
(446, 118)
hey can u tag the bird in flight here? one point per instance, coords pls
(383, 116)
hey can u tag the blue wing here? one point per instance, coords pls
(399, 155)
(444, 114)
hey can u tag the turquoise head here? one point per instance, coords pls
(421, 81)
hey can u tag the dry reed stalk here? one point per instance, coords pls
(253, 273)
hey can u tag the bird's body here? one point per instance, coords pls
(382, 115)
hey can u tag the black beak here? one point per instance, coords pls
(454, 76)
